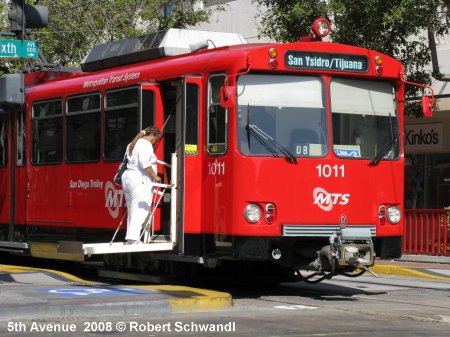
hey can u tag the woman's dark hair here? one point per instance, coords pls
(151, 130)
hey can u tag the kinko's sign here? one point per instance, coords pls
(423, 138)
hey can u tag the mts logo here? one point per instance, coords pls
(326, 200)
(114, 199)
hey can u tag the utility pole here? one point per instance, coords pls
(434, 58)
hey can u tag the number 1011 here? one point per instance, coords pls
(328, 171)
(216, 168)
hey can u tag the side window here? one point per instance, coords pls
(83, 128)
(47, 123)
(21, 138)
(121, 121)
(192, 106)
(3, 140)
(148, 108)
(217, 117)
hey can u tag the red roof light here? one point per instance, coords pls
(321, 27)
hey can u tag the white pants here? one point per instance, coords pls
(138, 198)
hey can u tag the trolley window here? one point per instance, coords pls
(83, 128)
(21, 138)
(47, 139)
(192, 99)
(285, 109)
(121, 121)
(364, 118)
(3, 140)
(148, 108)
(217, 117)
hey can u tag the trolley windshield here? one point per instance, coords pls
(288, 111)
(364, 118)
(285, 115)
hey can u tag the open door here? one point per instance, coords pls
(191, 151)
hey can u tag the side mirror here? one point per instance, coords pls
(427, 103)
(228, 96)
(12, 89)
(427, 106)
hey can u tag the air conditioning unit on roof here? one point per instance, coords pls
(165, 43)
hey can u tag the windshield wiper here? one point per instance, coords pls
(385, 150)
(271, 143)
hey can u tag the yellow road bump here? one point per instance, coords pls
(19, 269)
(192, 299)
(390, 270)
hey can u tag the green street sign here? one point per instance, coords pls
(19, 49)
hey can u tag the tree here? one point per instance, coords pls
(397, 27)
(76, 26)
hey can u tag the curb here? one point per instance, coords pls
(390, 270)
(192, 299)
(178, 299)
(18, 269)
(425, 259)
(84, 310)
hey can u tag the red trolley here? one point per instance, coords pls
(287, 156)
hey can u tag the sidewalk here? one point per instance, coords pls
(29, 293)
(425, 259)
(425, 266)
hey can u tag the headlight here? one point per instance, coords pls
(252, 213)
(393, 214)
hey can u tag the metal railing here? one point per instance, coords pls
(427, 232)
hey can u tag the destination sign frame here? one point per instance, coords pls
(294, 59)
(18, 49)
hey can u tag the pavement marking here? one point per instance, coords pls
(445, 319)
(325, 334)
(391, 270)
(295, 307)
(440, 271)
(104, 291)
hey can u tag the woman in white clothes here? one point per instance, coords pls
(138, 179)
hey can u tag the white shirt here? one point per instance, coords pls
(141, 158)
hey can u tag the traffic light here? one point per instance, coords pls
(27, 16)
(17, 15)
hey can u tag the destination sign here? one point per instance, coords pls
(324, 61)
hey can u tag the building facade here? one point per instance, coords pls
(427, 146)
(238, 16)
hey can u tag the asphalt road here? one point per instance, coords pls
(366, 306)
